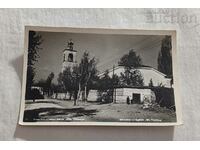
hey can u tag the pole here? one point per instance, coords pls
(113, 94)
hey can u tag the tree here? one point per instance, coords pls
(75, 82)
(131, 76)
(41, 83)
(67, 80)
(55, 89)
(60, 85)
(151, 83)
(49, 82)
(105, 82)
(35, 41)
(165, 57)
(130, 60)
(105, 89)
(115, 80)
(79, 79)
(60, 82)
(87, 72)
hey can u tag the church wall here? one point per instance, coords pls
(157, 78)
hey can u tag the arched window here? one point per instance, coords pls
(70, 58)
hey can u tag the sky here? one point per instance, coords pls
(108, 49)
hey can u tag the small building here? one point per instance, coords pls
(137, 94)
(120, 94)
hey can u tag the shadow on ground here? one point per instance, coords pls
(50, 102)
(34, 115)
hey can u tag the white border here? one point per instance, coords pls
(88, 145)
(104, 31)
(99, 4)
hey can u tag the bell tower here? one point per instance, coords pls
(69, 56)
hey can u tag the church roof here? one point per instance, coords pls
(141, 67)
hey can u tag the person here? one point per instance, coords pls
(132, 101)
(128, 100)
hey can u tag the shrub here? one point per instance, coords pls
(164, 97)
(34, 94)
(105, 96)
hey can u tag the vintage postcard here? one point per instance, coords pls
(108, 77)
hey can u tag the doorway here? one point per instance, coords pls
(136, 98)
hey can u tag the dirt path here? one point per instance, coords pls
(52, 110)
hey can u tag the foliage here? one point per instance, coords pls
(105, 82)
(46, 85)
(60, 83)
(164, 96)
(55, 88)
(131, 76)
(65, 81)
(165, 57)
(80, 79)
(105, 96)
(105, 89)
(35, 41)
(115, 80)
(69, 80)
(35, 94)
(130, 60)
(29, 81)
(87, 73)
(49, 82)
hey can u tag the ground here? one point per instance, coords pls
(63, 110)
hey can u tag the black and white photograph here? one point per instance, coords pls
(99, 77)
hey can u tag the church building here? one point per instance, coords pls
(120, 94)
